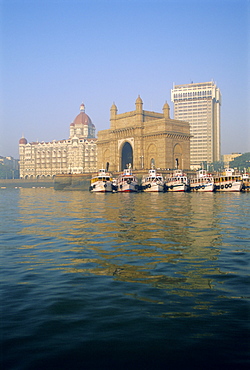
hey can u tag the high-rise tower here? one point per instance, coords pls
(199, 104)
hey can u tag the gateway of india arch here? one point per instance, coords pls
(144, 139)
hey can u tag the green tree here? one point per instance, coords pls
(241, 162)
(217, 166)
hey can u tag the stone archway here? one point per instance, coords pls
(177, 157)
(151, 156)
(126, 156)
(106, 157)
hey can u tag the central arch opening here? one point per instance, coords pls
(177, 156)
(127, 156)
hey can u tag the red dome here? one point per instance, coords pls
(23, 141)
(82, 119)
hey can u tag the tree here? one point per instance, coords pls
(242, 162)
(217, 166)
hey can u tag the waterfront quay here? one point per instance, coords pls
(82, 181)
(27, 183)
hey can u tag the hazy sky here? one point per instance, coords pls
(56, 54)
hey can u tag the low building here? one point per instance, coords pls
(227, 158)
(9, 168)
(77, 154)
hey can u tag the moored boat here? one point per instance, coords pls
(228, 181)
(127, 182)
(177, 181)
(102, 182)
(152, 182)
(202, 182)
(246, 182)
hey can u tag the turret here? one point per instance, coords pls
(166, 110)
(113, 113)
(139, 110)
(82, 108)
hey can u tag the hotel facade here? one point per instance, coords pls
(199, 104)
(74, 155)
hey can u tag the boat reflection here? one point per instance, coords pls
(163, 240)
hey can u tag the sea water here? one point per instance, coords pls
(122, 281)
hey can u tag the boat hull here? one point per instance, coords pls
(127, 188)
(231, 186)
(152, 187)
(176, 187)
(101, 187)
(202, 187)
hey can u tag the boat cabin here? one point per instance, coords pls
(103, 175)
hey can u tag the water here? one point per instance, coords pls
(119, 281)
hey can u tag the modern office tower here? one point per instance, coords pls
(199, 104)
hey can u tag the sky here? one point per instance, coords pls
(56, 54)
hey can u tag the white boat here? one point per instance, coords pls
(127, 182)
(203, 181)
(246, 182)
(152, 182)
(177, 181)
(102, 182)
(228, 181)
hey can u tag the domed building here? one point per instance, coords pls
(74, 155)
(82, 125)
(23, 141)
(143, 139)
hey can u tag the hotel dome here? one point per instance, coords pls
(82, 118)
(82, 125)
(23, 141)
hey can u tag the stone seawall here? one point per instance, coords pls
(72, 182)
(27, 183)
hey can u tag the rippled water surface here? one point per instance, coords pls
(122, 281)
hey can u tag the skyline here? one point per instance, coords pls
(57, 54)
